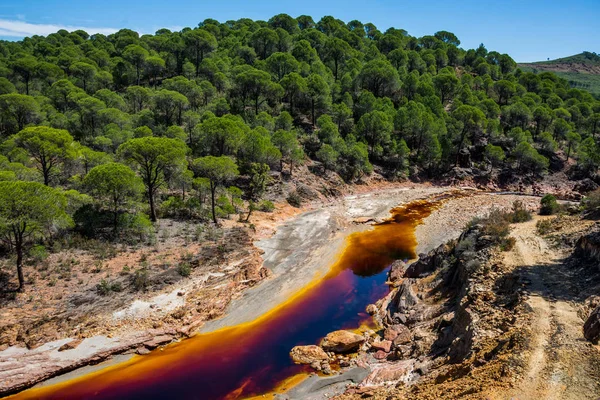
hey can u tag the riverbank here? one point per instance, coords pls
(310, 255)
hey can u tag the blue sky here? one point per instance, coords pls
(528, 30)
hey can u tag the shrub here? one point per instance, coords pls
(294, 199)
(544, 226)
(140, 279)
(507, 244)
(103, 288)
(184, 269)
(548, 205)
(519, 212)
(266, 206)
(38, 253)
(591, 203)
(496, 225)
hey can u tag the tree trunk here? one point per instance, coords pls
(19, 248)
(568, 151)
(313, 112)
(250, 208)
(151, 200)
(213, 189)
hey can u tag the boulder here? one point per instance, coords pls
(371, 309)
(591, 328)
(342, 341)
(403, 336)
(308, 354)
(384, 345)
(392, 332)
(396, 273)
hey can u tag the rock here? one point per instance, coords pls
(403, 335)
(397, 270)
(158, 341)
(142, 351)
(371, 309)
(70, 345)
(380, 355)
(308, 354)
(384, 345)
(591, 328)
(342, 341)
(393, 331)
(585, 186)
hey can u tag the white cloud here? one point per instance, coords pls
(21, 29)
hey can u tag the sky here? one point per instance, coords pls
(528, 30)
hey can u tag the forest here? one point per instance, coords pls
(101, 135)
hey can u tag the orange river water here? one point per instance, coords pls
(253, 358)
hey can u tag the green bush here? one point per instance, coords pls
(507, 244)
(105, 287)
(141, 279)
(295, 199)
(38, 253)
(266, 206)
(184, 269)
(548, 205)
(544, 226)
(591, 203)
(496, 225)
(519, 213)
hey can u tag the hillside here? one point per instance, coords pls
(581, 70)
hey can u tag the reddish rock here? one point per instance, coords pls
(70, 345)
(380, 355)
(393, 331)
(385, 345)
(158, 341)
(342, 341)
(308, 354)
(403, 335)
(142, 351)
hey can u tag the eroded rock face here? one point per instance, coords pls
(397, 270)
(308, 354)
(591, 328)
(342, 341)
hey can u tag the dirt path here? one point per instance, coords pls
(560, 363)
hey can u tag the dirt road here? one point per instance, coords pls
(560, 363)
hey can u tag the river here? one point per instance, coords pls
(253, 358)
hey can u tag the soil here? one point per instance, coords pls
(531, 349)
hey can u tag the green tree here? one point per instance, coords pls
(48, 147)
(446, 84)
(219, 136)
(219, 171)
(85, 72)
(25, 66)
(200, 42)
(573, 139)
(328, 157)
(115, 185)
(137, 56)
(153, 156)
(295, 86)
(27, 211)
(259, 177)
(20, 108)
(318, 91)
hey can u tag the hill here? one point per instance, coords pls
(582, 70)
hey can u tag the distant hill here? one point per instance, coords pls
(581, 70)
